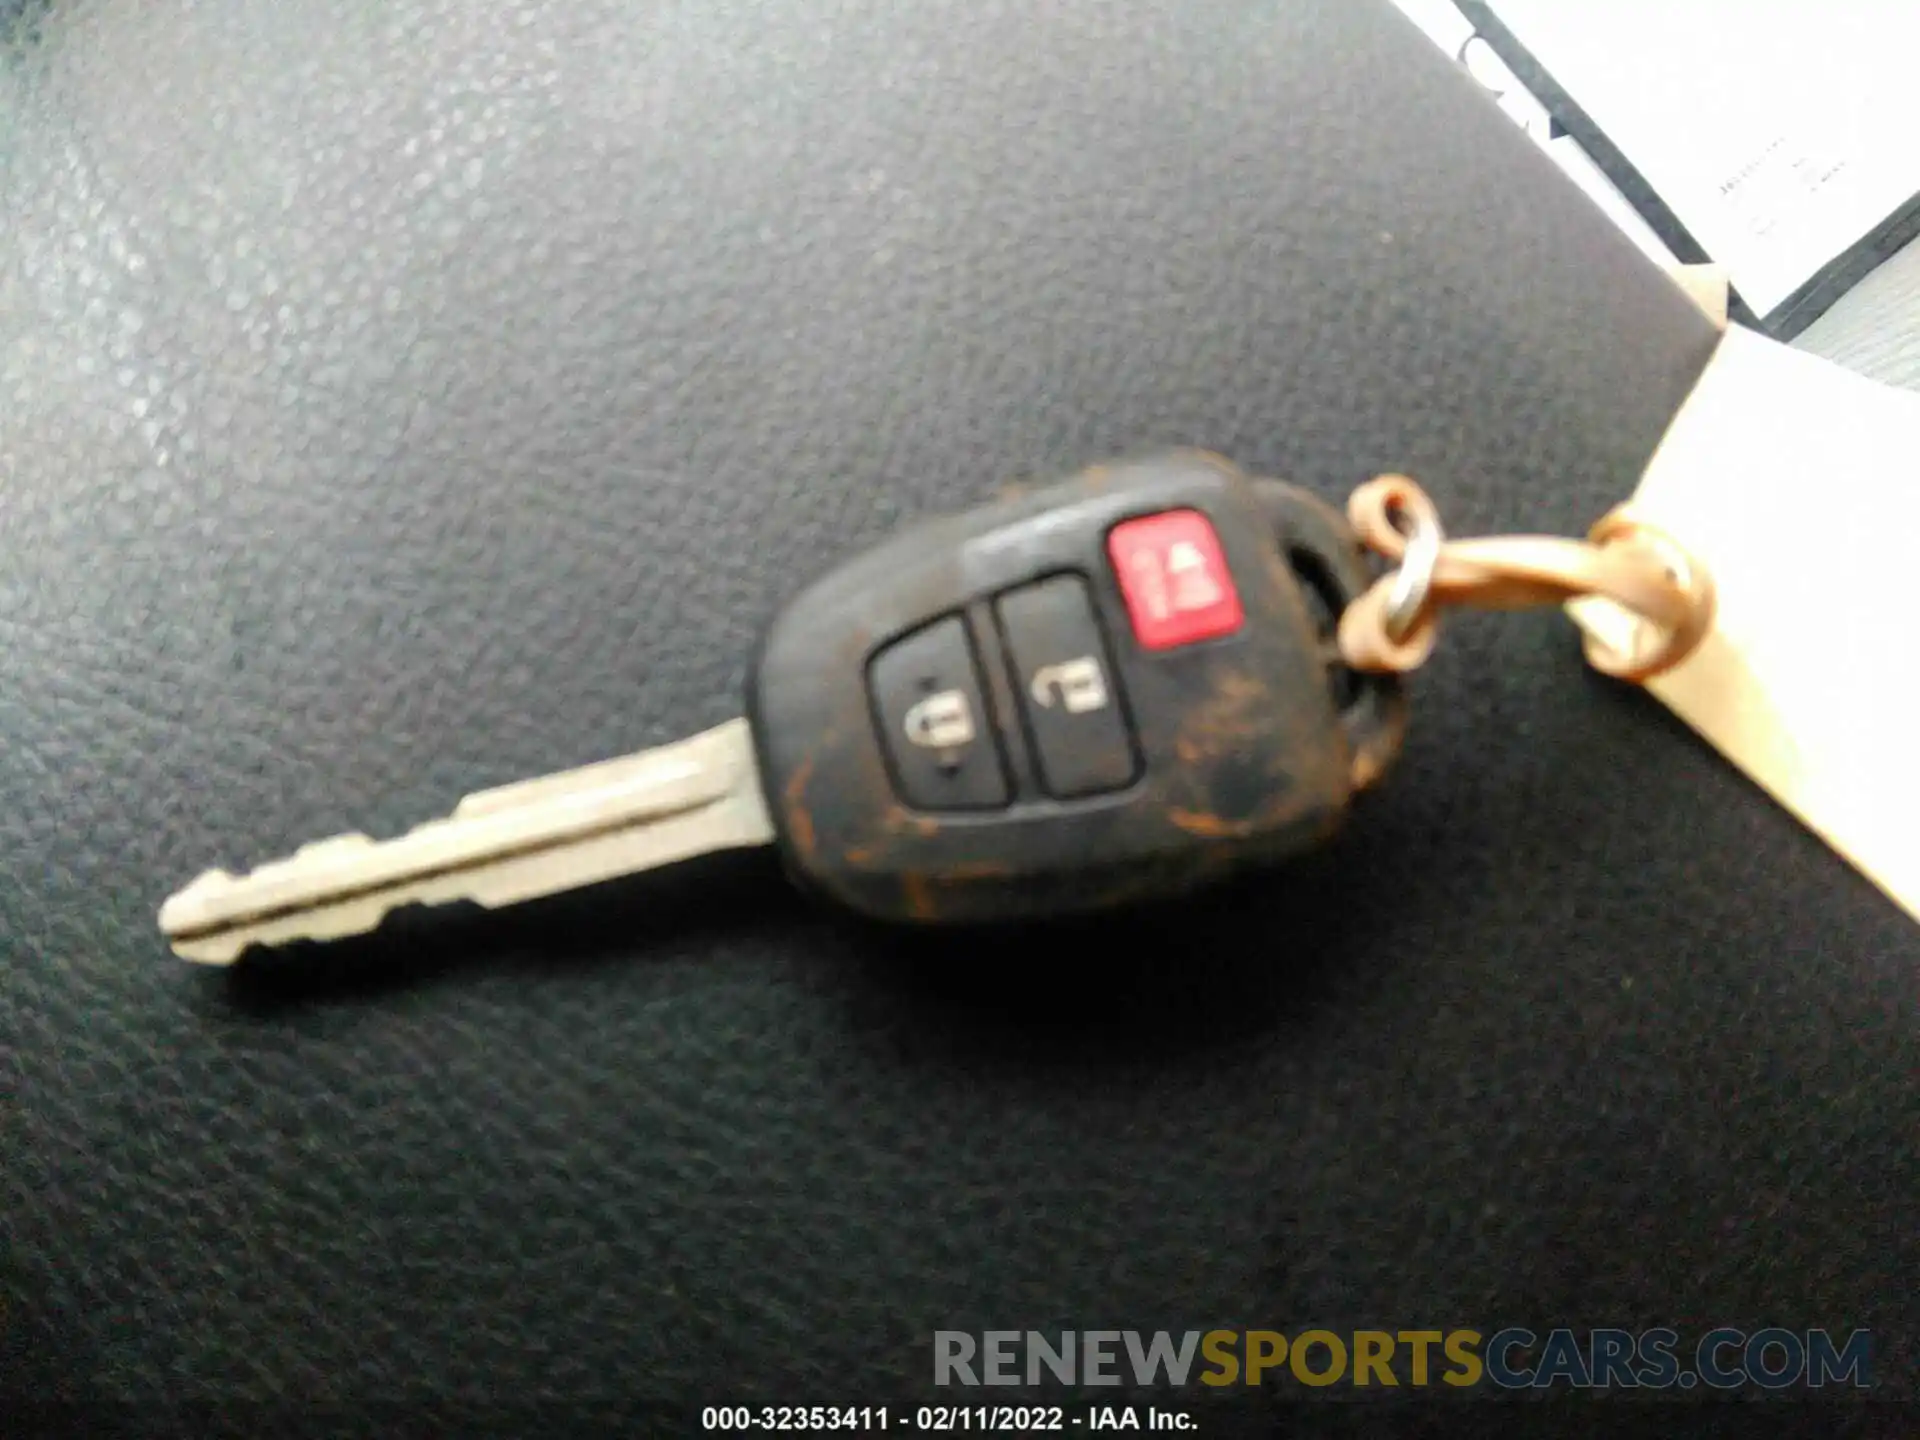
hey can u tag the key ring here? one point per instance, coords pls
(1667, 595)
(1413, 580)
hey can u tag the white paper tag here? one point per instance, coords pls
(1797, 484)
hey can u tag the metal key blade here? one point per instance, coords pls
(498, 847)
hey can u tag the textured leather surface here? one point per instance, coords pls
(401, 399)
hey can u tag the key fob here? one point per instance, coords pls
(1113, 688)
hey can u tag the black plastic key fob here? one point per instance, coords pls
(1110, 689)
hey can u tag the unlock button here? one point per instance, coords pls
(1067, 688)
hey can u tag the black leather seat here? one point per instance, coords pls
(395, 401)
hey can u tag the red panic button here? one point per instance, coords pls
(1174, 579)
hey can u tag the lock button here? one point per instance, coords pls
(1068, 694)
(934, 727)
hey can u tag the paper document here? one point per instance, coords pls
(1781, 133)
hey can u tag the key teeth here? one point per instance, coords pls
(497, 848)
(180, 910)
(359, 916)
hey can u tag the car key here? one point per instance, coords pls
(1113, 688)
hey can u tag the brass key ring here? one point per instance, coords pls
(1392, 627)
